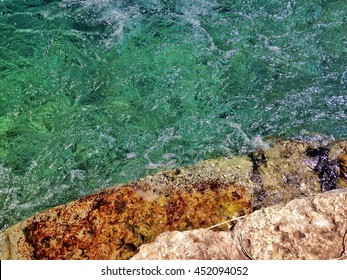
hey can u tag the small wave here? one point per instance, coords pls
(112, 14)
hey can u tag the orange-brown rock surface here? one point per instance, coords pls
(312, 228)
(114, 223)
(343, 171)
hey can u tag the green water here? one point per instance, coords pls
(98, 92)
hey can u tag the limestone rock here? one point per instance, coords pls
(337, 149)
(308, 228)
(199, 244)
(112, 224)
(238, 169)
(8, 244)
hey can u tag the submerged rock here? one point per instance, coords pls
(312, 228)
(292, 169)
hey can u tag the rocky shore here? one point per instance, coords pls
(292, 199)
(311, 228)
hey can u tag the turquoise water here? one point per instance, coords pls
(99, 92)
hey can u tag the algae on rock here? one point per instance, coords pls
(288, 170)
(112, 224)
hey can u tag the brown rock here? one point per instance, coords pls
(309, 228)
(113, 224)
(343, 171)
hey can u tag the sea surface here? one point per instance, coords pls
(99, 92)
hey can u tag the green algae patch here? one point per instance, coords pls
(114, 223)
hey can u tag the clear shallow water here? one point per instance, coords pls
(98, 92)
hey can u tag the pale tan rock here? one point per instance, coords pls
(309, 228)
(238, 169)
(337, 149)
(9, 240)
(200, 244)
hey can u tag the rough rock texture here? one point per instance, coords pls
(293, 169)
(199, 244)
(310, 228)
(223, 169)
(283, 173)
(114, 223)
(343, 172)
(288, 170)
(9, 249)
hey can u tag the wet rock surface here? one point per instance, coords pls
(293, 169)
(312, 228)
(114, 223)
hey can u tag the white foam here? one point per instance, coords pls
(112, 13)
(77, 174)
